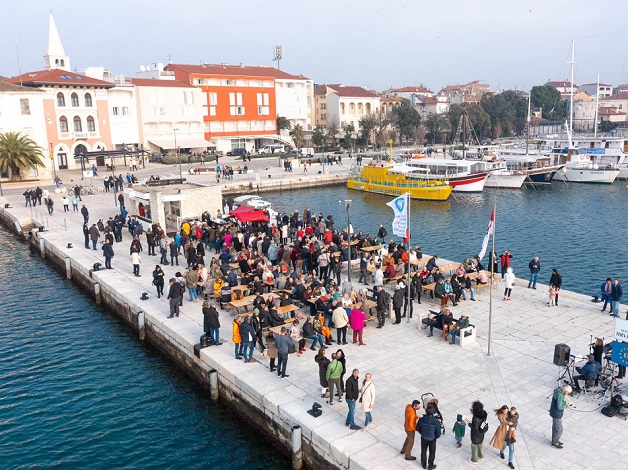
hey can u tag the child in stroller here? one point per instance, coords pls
(430, 398)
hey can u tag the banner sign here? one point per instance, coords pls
(620, 353)
(621, 330)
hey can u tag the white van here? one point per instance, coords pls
(272, 148)
(306, 151)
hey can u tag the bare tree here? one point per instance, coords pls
(332, 129)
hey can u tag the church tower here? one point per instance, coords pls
(56, 58)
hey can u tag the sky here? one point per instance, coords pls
(376, 44)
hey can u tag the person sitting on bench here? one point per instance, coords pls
(588, 372)
(443, 320)
(482, 278)
(440, 292)
(462, 323)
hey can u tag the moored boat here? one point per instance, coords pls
(462, 175)
(394, 180)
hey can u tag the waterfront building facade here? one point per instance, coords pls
(345, 105)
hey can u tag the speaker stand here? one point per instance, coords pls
(565, 372)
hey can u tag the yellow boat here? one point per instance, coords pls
(382, 178)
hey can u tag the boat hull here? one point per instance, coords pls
(585, 175)
(469, 184)
(505, 181)
(430, 193)
(540, 177)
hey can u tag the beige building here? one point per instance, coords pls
(343, 104)
(583, 112)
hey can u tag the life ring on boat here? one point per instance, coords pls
(584, 157)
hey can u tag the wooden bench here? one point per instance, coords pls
(489, 283)
(165, 181)
(390, 280)
(463, 337)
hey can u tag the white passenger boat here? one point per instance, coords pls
(463, 175)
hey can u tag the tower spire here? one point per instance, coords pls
(56, 57)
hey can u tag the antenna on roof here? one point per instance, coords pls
(277, 55)
(19, 65)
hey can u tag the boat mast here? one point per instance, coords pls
(528, 123)
(464, 129)
(573, 63)
(597, 101)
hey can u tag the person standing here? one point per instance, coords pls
(429, 429)
(75, 207)
(397, 303)
(557, 409)
(616, 294)
(174, 297)
(323, 362)
(505, 262)
(459, 430)
(84, 213)
(607, 289)
(334, 371)
(367, 398)
(191, 279)
(174, 252)
(340, 320)
(121, 201)
(158, 280)
(356, 320)
(135, 260)
(509, 279)
(211, 323)
(107, 251)
(283, 343)
(410, 428)
(364, 262)
(50, 205)
(382, 306)
(247, 332)
(498, 441)
(352, 394)
(77, 192)
(535, 268)
(94, 235)
(66, 204)
(86, 235)
(556, 281)
(479, 427)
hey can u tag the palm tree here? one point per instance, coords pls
(298, 134)
(17, 153)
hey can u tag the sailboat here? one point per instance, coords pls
(579, 167)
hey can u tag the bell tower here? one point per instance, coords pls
(56, 58)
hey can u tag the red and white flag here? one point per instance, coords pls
(489, 232)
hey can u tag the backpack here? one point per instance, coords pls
(232, 279)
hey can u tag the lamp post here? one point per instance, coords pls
(176, 151)
(115, 196)
(391, 145)
(52, 160)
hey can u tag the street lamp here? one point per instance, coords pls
(176, 150)
(51, 155)
(391, 145)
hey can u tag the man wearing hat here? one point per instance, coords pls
(588, 372)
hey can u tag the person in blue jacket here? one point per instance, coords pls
(429, 429)
(589, 371)
(606, 288)
(616, 293)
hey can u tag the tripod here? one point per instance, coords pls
(566, 372)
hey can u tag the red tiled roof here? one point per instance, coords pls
(236, 70)
(6, 86)
(410, 89)
(164, 83)
(610, 112)
(623, 96)
(58, 77)
(560, 84)
(589, 84)
(349, 91)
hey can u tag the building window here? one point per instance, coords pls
(212, 110)
(26, 108)
(125, 111)
(237, 110)
(213, 99)
(78, 126)
(60, 100)
(63, 124)
(323, 105)
(229, 82)
(200, 81)
(75, 101)
(91, 125)
(235, 99)
(116, 111)
(88, 100)
(323, 117)
(290, 85)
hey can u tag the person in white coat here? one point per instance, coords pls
(367, 397)
(378, 276)
(135, 260)
(509, 279)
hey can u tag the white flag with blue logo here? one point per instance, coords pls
(400, 207)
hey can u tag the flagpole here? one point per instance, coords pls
(408, 270)
(490, 288)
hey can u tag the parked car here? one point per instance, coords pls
(291, 154)
(239, 152)
(272, 148)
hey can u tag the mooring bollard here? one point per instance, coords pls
(141, 325)
(297, 454)
(213, 385)
(68, 267)
(97, 293)
(42, 247)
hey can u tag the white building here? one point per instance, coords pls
(123, 120)
(294, 96)
(438, 104)
(409, 92)
(22, 110)
(591, 89)
(170, 115)
(345, 104)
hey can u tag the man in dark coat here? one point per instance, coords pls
(382, 306)
(556, 281)
(397, 303)
(174, 297)
(107, 251)
(211, 323)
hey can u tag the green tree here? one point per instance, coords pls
(406, 119)
(549, 100)
(318, 136)
(508, 109)
(298, 134)
(18, 153)
(436, 126)
(282, 123)
(367, 123)
(348, 129)
(479, 119)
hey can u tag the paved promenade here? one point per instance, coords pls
(405, 363)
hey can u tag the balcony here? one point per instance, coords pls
(81, 135)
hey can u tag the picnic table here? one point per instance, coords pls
(421, 261)
(286, 309)
(245, 302)
(449, 267)
(369, 249)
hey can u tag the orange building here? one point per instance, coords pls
(239, 102)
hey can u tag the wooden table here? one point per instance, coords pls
(245, 302)
(235, 266)
(286, 309)
(421, 261)
(369, 249)
(449, 267)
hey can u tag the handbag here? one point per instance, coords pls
(362, 394)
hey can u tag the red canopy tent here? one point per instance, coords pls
(248, 214)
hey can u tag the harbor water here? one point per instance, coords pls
(79, 390)
(578, 229)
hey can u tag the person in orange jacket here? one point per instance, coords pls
(236, 338)
(410, 427)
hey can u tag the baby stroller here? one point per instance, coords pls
(430, 398)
